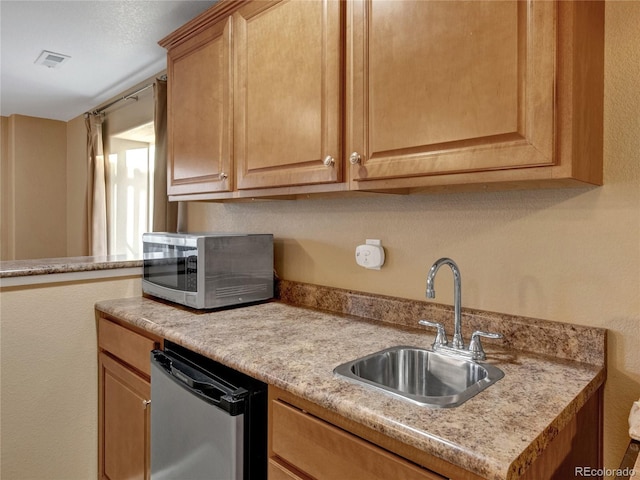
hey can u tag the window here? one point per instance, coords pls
(130, 189)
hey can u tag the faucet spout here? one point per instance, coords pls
(457, 286)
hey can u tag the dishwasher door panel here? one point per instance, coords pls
(191, 438)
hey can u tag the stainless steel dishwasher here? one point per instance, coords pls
(208, 422)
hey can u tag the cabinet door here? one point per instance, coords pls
(124, 420)
(287, 93)
(200, 113)
(440, 87)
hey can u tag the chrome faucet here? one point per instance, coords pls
(441, 344)
(457, 341)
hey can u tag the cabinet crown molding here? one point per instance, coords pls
(207, 18)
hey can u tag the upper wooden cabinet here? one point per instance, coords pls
(287, 128)
(200, 112)
(255, 97)
(389, 95)
(473, 92)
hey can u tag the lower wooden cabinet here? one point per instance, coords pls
(327, 451)
(125, 417)
(308, 442)
(305, 440)
(124, 392)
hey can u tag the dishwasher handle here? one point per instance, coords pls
(200, 384)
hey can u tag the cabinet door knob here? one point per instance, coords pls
(145, 404)
(329, 161)
(355, 158)
(223, 176)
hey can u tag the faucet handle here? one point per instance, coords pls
(475, 346)
(441, 335)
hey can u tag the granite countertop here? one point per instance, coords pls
(495, 434)
(46, 266)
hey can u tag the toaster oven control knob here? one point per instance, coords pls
(223, 176)
(329, 161)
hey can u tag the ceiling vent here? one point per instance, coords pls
(51, 60)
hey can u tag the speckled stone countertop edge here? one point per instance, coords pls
(48, 266)
(178, 327)
(528, 456)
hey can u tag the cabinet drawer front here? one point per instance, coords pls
(125, 344)
(324, 451)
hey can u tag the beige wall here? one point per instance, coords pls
(565, 255)
(49, 379)
(44, 178)
(35, 187)
(130, 114)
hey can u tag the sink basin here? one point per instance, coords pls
(422, 376)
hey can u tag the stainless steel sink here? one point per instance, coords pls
(422, 376)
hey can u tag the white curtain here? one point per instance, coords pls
(165, 214)
(96, 187)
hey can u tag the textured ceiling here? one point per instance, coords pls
(112, 44)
